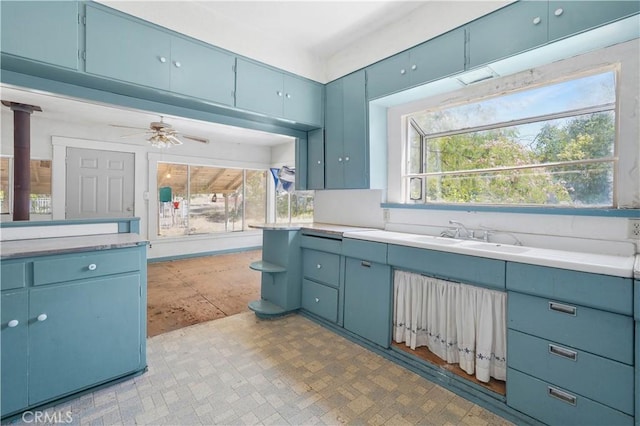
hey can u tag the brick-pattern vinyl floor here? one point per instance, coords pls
(243, 370)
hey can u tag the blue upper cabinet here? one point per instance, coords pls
(302, 101)
(267, 91)
(513, 29)
(388, 76)
(202, 72)
(44, 31)
(346, 150)
(569, 17)
(128, 50)
(259, 88)
(315, 160)
(437, 58)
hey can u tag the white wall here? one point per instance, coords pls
(50, 138)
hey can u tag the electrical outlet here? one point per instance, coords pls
(634, 229)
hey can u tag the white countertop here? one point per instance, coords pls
(61, 245)
(622, 266)
(315, 226)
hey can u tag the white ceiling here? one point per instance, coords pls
(321, 27)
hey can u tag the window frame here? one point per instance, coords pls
(10, 188)
(411, 124)
(189, 165)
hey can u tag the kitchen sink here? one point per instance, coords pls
(503, 248)
(437, 240)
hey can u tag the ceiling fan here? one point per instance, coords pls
(162, 135)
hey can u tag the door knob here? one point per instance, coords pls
(177, 64)
(13, 323)
(559, 11)
(162, 59)
(42, 317)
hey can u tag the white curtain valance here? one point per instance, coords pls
(460, 323)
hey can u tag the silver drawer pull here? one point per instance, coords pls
(562, 396)
(365, 264)
(318, 266)
(13, 323)
(317, 300)
(563, 352)
(565, 309)
(92, 267)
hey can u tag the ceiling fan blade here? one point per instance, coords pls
(127, 127)
(196, 138)
(174, 140)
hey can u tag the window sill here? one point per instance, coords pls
(566, 211)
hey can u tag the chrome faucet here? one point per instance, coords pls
(460, 226)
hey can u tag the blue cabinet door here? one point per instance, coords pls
(334, 135)
(202, 72)
(570, 17)
(367, 300)
(91, 334)
(315, 159)
(513, 29)
(302, 100)
(388, 76)
(356, 149)
(14, 337)
(259, 89)
(346, 149)
(45, 31)
(437, 58)
(127, 50)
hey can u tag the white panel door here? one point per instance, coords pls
(99, 183)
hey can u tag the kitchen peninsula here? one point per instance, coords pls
(73, 308)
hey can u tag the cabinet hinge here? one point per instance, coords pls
(84, 20)
(233, 94)
(233, 68)
(84, 55)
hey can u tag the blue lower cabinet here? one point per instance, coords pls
(554, 405)
(14, 338)
(83, 334)
(599, 332)
(600, 379)
(367, 300)
(320, 300)
(73, 326)
(321, 266)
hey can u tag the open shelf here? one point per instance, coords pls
(266, 309)
(264, 266)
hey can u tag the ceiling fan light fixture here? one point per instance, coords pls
(162, 141)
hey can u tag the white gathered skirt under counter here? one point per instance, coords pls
(459, 323)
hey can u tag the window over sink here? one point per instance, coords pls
(549, 145)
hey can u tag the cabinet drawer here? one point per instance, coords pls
(554, 405)
(450, 266)
(55, 269)
(321, 266)
(601, 379)
(613, 294)
(13, 275)
(321, 243)
(365, 250)
(320, 300)
(599, 332)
